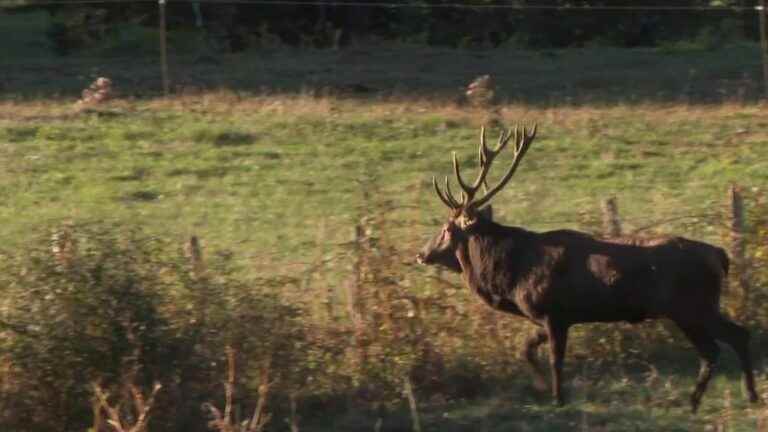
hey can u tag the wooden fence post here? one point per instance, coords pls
(409, 393)
(737, 245)
(195, 255)
(356, 298)
(611, 222)
(293, 419)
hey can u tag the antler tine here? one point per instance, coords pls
(449, 194)
(504, 139)
(469, 190)
(486, 158)
(440, 193)
(522, 143)
(522, 139)
(482, 156)
(482, 149)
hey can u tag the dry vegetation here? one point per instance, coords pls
(306, 105)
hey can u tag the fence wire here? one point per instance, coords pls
(457, 5)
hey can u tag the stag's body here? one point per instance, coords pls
(585, 279)
(560, 278)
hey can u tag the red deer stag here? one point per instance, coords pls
(560, 278)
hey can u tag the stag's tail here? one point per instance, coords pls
(725, 262)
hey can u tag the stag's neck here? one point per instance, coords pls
(487, 260)
(468, 272)
(487, 250)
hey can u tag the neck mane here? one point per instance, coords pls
(487, 253)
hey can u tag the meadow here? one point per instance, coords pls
(263, 175)
(317, 193)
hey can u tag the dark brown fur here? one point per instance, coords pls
(560, 278)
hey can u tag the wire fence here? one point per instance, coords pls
(161, 52)
(376, 4)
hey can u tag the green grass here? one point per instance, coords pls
(261, 183)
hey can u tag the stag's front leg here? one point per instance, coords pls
(558, 340)
(529, 352)
(708, 355)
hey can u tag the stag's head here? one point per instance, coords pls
(469, 212)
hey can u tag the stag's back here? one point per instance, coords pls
(688, 275)
(713, 258)
(632, 278)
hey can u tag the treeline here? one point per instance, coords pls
(528, 24)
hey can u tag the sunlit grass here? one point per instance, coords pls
(265, 171)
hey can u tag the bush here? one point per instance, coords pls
(96, 303)
(73, 29)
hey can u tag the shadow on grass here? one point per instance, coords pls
(511, 411)
(143, 195)
(233, 139)
(579, 76)
(603, 394)
(229, 138)
(209, 172)
(136, 174)
(21, 134)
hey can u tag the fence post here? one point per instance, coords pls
(163, 47)
(356, 298)
(416, 422)
(611, 222)
(737, 244)
(195, 254)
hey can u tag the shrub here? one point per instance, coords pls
(103, 304)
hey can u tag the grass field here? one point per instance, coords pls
(275, 181)
(273, 160)
(258, 175)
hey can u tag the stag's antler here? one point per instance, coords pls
(486, 156)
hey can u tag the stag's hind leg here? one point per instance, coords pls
(557, 333)
(708, 354)
(738, 338)
(529, 352)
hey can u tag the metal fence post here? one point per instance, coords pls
(764, 43)
(163, 48)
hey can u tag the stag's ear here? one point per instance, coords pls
(465, 221)
(486, 213)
